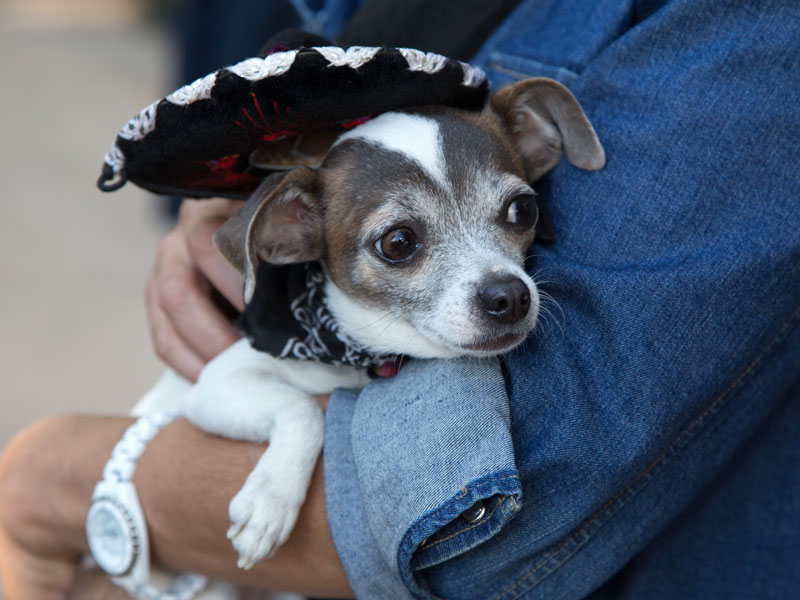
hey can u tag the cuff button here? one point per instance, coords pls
(475, 512)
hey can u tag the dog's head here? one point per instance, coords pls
(423, 219)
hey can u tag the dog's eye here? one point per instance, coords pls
(397, 245)
(522, 211)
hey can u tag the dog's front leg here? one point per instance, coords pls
(265, 510)
(238, 396)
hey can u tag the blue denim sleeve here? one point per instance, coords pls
(676, 273)
(418, 468)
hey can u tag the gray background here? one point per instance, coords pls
(73, 261)
(73, 334)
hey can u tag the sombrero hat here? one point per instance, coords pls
(225, 132)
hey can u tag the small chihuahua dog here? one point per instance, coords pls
(421, 220)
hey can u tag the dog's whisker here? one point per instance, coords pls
(548, 301)
(375, 322)
(389, 324)
(542, 270)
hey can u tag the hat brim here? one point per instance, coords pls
(205, 139)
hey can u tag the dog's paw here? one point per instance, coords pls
(262, 517)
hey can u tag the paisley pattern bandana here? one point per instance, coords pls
(288, 317)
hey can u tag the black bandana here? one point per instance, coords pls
(289, 318)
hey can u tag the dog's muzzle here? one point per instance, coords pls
(505, 300)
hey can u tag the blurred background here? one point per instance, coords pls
(73, 260)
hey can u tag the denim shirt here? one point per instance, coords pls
(672, 338)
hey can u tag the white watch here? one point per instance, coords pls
(115, 525)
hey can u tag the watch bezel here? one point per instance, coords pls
(116, 567)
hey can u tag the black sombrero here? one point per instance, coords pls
(222, 134)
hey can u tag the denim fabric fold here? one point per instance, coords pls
(426, 445)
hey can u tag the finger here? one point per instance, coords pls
(183, 298)
(196, 319)
(168, 345)
(198, 221)
(217, 270)
(193, 211)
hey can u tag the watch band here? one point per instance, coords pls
(185, 586)
(127, 452)
(118, 483)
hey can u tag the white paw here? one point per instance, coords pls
(263, 515)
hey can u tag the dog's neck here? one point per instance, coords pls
(291, 317)
(383, 333)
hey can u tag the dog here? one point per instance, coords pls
(421, 220)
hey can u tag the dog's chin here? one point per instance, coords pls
(482, 346)
(490, 346)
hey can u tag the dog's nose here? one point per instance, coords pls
(505, 299)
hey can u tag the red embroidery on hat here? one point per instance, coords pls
(221, 174)
(280, 127)
(355, 122)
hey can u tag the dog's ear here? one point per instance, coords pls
(543, 117)
(280, 223)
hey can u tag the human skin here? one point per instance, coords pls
(186, 327)
(48, 471)
(185, 480)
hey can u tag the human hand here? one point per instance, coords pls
(187, 328)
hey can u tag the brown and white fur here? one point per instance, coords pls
(422, 220)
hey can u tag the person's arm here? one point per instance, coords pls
(185, 480)
(677, 278)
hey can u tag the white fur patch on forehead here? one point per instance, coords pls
(415, 136)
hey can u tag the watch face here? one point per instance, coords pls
(112, 536)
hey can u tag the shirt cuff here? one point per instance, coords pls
(418, 469)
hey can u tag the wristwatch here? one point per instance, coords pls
(115, 525)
